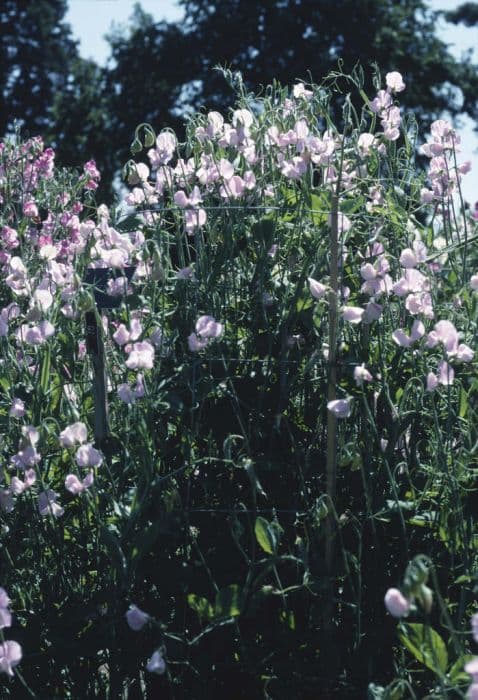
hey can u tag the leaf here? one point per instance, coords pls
(426, 645)
(267, 534)
(201, 606)
(463, 403)
(229, 601)
(45, 371)
(457, 673)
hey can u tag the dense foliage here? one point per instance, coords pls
(280, 500)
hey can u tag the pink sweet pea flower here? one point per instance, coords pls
(446, 373)
(352, 314)
(47, 504)
(341, 408)
(72, 434)
(394, 81)
(17, 409)
(10, 656)
(396, 603)
(317, 289)
(18, 486)
(474, 626)
(156, 663)
(136, 618)
(88, 456)
(75, 486)
(5, 614)
(361, 375)
(141, 356)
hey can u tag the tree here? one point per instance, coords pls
(148, 82)
(288, 39)
(35, 55)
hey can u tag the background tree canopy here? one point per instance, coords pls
(160, 71)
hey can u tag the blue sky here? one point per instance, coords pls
(92, 19)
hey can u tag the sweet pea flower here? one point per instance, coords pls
(446, 373)
(47, 504)
(361, 375)
(18, 486)
(317, 289)
(432, 381)
(72, 434)
(75, 486)
(5, 614)
(141, 356)
(88, 456)
(17, 409)
(474, 627)
(156, 663)
(341, 408)
(136, 618)
(394, 81)
(352, 314)
(10, 656)
(472, 668)
(396, 603)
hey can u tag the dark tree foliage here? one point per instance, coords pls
(466, 14)
(35, 54)
(288, 39)
(149, 77)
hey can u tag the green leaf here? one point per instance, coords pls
(426, 645)
(201, 606)
(463, 403)
(457, 673)
(45, 371)
(229, 601)
(267, 534)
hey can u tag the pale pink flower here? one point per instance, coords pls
(141, 356)
(88, 456)
(10, 656)
(17, 409)
(474, 626)
(446, 373)
(317, 289)
(361, 375)
(396, 603)
(72, 434)
(136, 618)
(365, 143)
(47, 504)
(394, 81)
(156, 663)
(196, 344)
(208, 327)
(126, 394)
(474, 282)
(408, 258)
(18, 486)
(464, 353)
(194, 219)
(472, 668)
(75, 486)
(341, 408)
(432, 381)
(352, 314)
(5, 614)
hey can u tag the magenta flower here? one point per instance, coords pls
(396, 603)
(136, 618)
(10, 656)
